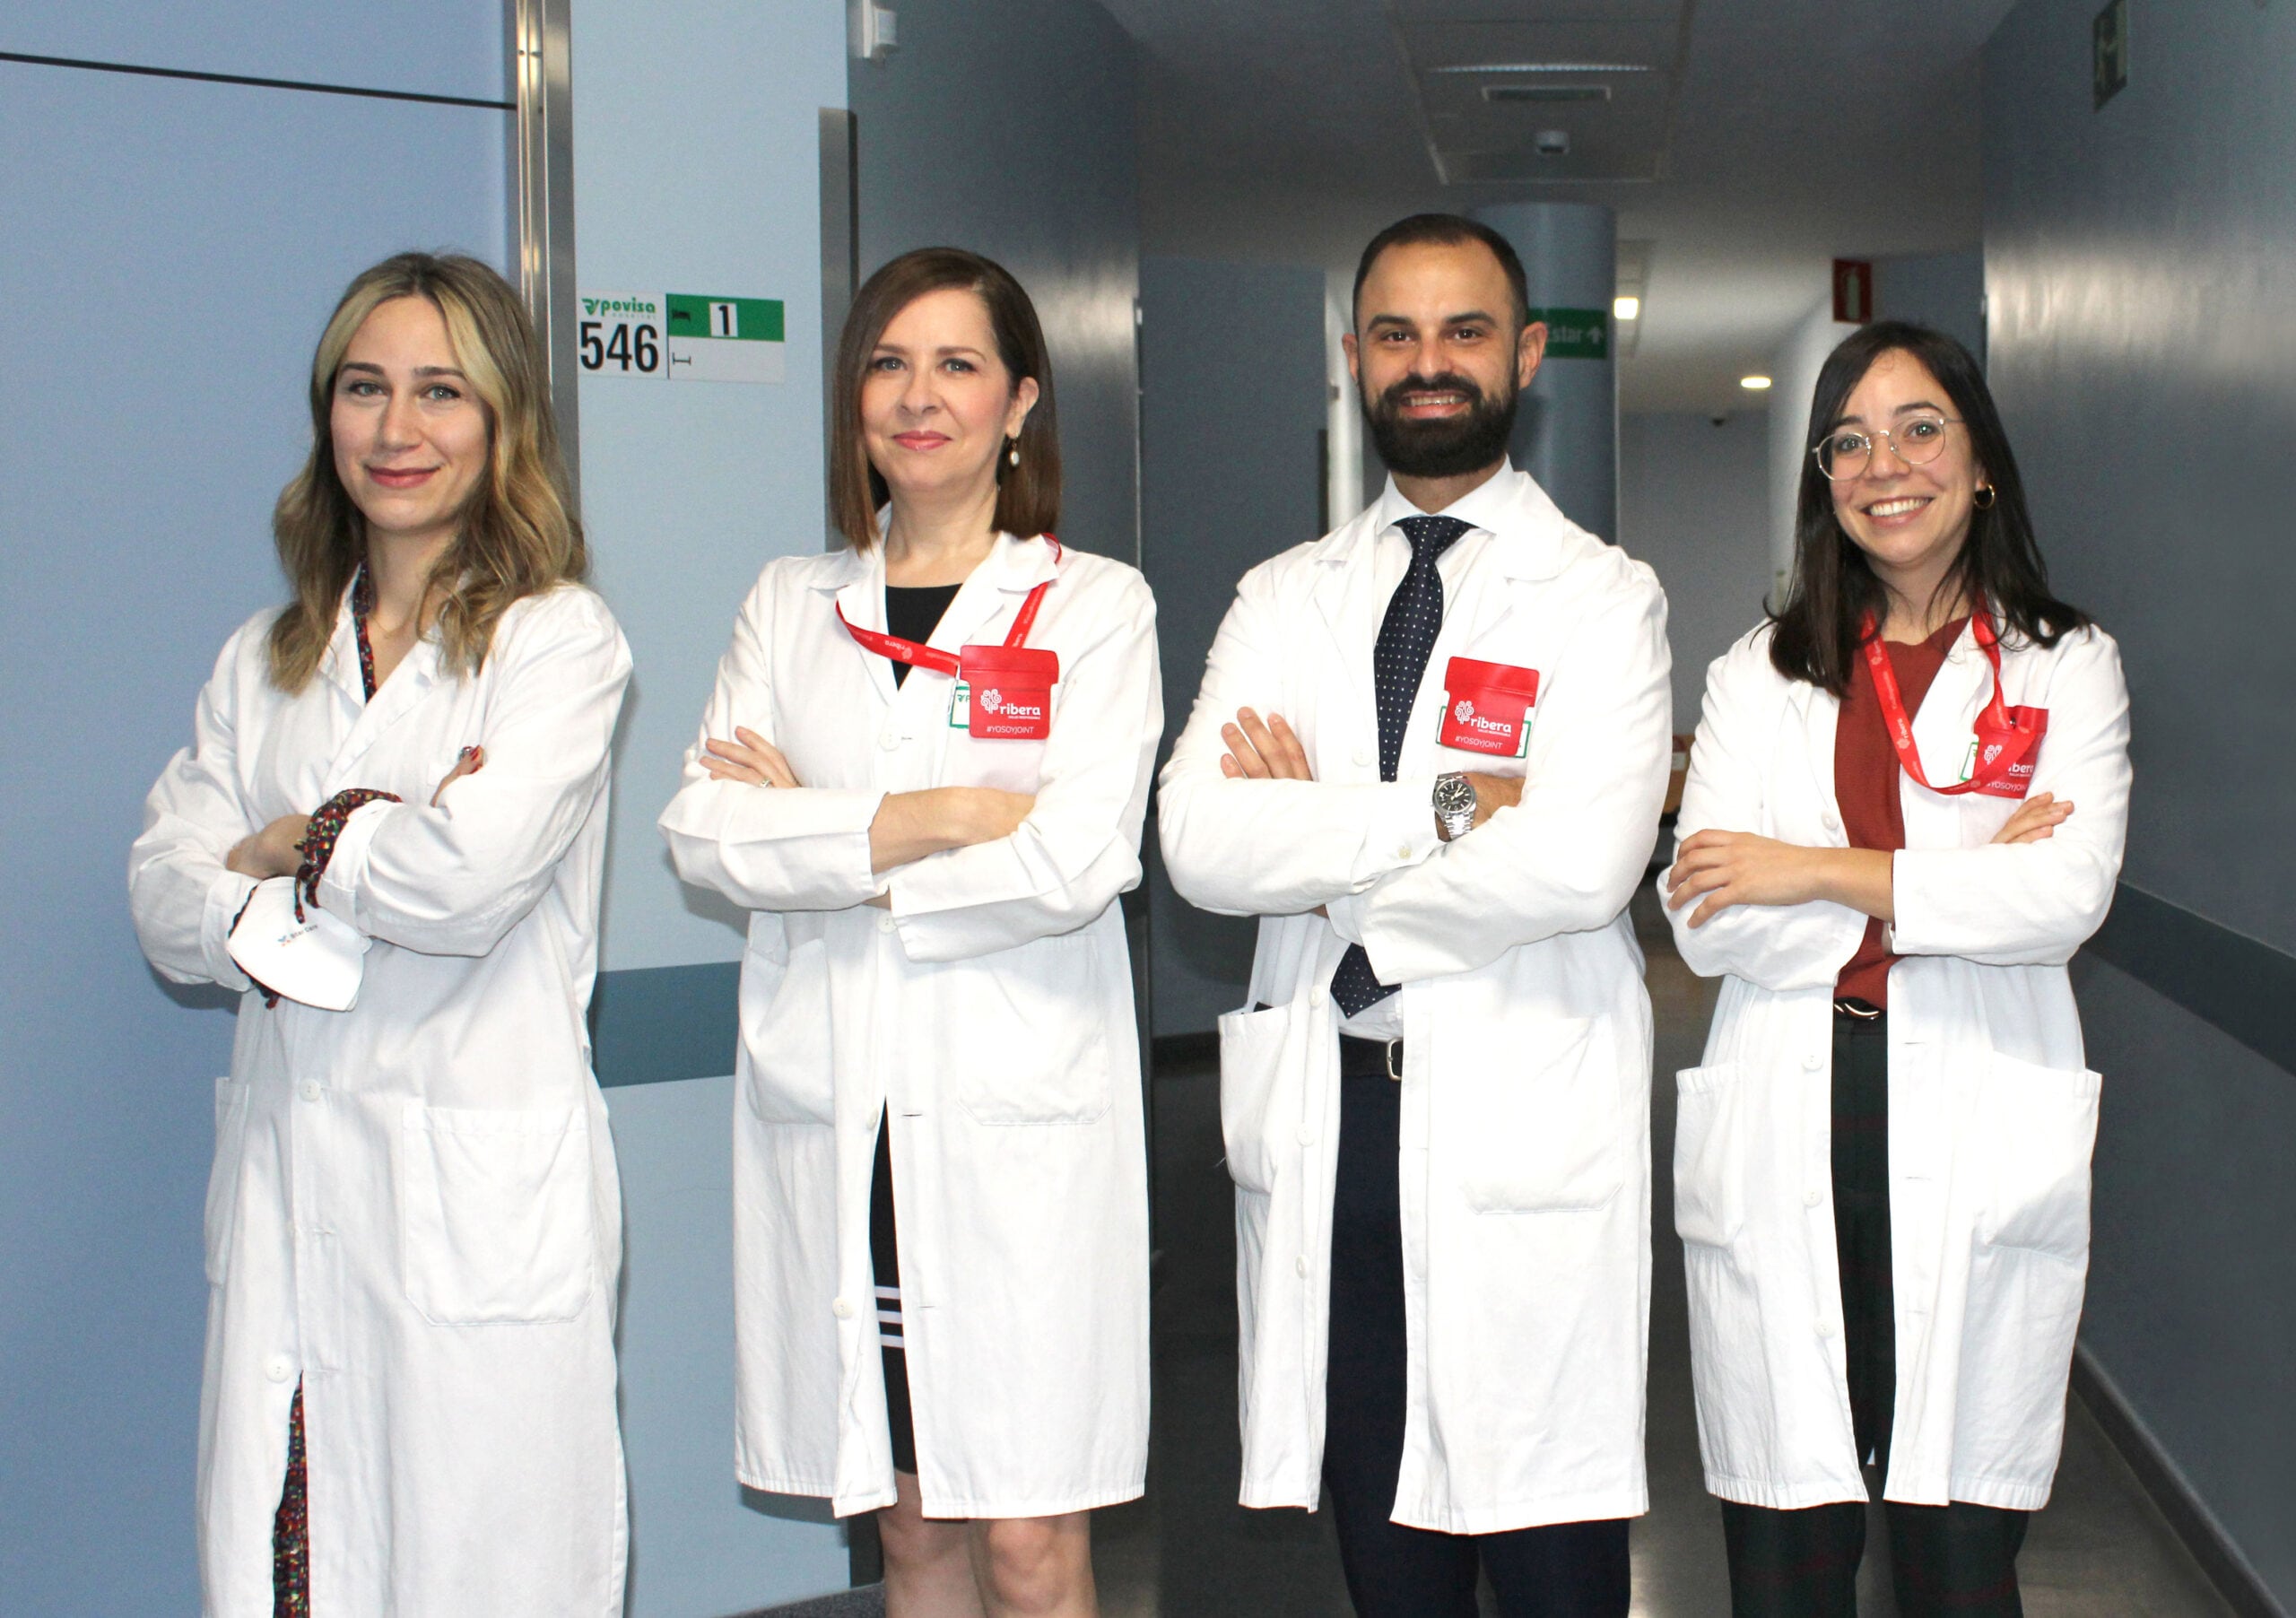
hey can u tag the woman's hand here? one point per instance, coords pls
(2036, 818)
(911, 825)
(748, 757)
(470, 760)
(276, 851)
(1726, 869)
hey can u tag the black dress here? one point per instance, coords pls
(912, 615)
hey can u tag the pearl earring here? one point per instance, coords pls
(1013, 453)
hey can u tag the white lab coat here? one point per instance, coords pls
(413, 1209)
(1992, 1111)
(990, 1008)
(1524, 1164)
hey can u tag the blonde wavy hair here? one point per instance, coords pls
(519, 535)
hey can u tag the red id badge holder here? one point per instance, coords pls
(2020, 738)
(1487, 708)
(1005, 693)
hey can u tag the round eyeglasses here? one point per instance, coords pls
(1916, 440)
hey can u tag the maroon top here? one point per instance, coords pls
(1865, 780)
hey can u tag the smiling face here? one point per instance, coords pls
(410, 436)
(1910, 519)
(937, 402)
(1438, 358)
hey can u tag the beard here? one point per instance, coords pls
(1447, 446)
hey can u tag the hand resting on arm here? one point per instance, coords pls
(908, 825)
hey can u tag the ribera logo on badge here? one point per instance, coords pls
(1483, 696)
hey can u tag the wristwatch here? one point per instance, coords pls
(1454, 805)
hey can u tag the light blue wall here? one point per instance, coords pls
(1007, 126)
(173, 250)
(696, 170)
(2141, 312)
(1233, 393)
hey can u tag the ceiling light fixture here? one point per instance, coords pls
(1754, 383)
(1544, 67)
(1626, 307)
(1497, 93)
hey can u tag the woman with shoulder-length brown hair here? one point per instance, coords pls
(387, 833)
(924, 772)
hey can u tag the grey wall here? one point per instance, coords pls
(1233, 393)
(173, 249)
(1942, 289)
(2142, 306)
(1007, 126)
(1694, 503)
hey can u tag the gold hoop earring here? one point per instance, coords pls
(1984, 497)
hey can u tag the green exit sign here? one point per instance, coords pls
(1576, 333)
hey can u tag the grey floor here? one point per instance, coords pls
(1187, 1550)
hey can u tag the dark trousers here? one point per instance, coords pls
(1566, 1571)
(1959, 1559)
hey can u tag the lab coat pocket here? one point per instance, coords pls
(1711, 1155)
(1025, 1029)
(1257, 1076)
(1540, 1130)
(224, 1178)
(2039, 1125)
(785, 1010)
(495, 1214)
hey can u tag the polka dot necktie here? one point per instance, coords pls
(1406, 638)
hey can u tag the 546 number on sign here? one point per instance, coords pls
(624, 336)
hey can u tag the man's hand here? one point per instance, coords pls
(1263, 750)
(749, 757)
(1494, 793)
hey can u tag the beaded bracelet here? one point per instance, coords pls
(321, 836)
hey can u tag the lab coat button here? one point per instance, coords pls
(279, 1368)
(1307, 1136)
(311, 1090)
(1362, 755)
(1402, 850)
(1833, 820)
(1300, 1264)
(885, 922)
(1813, 1061)
(842, 1309)
(888, 740)
(1810, 1199)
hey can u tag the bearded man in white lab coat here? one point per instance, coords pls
(1429, 754)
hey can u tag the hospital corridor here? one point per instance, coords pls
(1148, 809)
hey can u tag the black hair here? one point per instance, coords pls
(1815, 635)
(1446, 230)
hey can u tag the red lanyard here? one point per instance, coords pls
(918, 655)
(2001, 739)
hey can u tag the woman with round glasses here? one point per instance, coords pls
(1904, 813)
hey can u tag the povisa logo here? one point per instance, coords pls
(618, 306)
(1465, 713)
(992, 701)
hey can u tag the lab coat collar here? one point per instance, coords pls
(1526, 527)
(1012, 567)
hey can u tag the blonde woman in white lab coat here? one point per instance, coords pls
(413, 1229)
(1905, 813)
(940, 1174)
